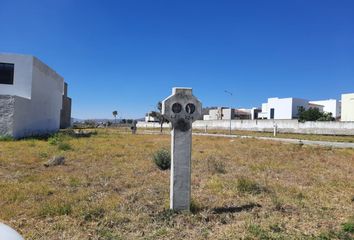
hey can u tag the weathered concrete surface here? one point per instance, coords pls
(181, 109)
(283, 126)
(7, 110)
(65, 112)
(180, 187)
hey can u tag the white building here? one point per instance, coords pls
(347, 107)
(224, 113)
(31, 97)
(330, 106)
(151, 117)
(282, 108)
(220, 113)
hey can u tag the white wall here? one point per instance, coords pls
(151, 119)
(215, 114)
(284, 126)
(227, 113)
(22, 75)
(347, 107)
(330, 106)
(282, 108)
(47, 97)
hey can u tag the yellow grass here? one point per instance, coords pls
(111, 189)
(313, 137)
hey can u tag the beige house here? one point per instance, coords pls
(347, 107)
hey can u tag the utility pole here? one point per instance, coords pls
(230, 93)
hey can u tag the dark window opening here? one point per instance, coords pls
(7, 73)
(272, 113)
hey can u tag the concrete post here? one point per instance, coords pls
(275, 129)
(181, 109)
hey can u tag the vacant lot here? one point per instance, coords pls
(109, 188)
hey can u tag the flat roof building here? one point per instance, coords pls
(282, 108)
(347, 107)
(329, 106)
(33, 97)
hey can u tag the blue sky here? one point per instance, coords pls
(127, 55)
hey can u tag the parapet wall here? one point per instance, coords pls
(283, 126)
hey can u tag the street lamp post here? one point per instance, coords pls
(230, 93)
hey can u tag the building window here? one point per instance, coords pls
(7, 73)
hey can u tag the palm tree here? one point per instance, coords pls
(115, 113)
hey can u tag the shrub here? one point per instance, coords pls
(55, 209)
(54, 140)
(162, 159)
(249, 186)
(313, 114)
(64, 146)
(348, 227)
(6, 138)
(195, 206)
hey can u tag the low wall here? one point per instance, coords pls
(151, 125)
(283, 126)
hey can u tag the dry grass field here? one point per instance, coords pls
(311, 137)
(109, 188)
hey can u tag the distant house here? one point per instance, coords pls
(224, 113)
(288, 108)
(347, 107)
(33, 97)
(330, 106)
(220, 113)
(151, 117)
(282, 108)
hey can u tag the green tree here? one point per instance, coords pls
(115, 113)
(313, 114)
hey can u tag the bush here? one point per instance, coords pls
(348, 227)
(55, 209)
(313, 114)
(64, 146)
(249, 186)
(162, 159)
(5, 138)
(54, 140)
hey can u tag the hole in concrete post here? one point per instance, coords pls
(182, 125)
(176, 108)
(190, 108)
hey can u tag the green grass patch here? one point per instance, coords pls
(6, 138)
(55, 209)
(245, 185)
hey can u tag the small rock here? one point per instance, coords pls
(56, 160)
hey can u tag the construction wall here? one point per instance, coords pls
(284, 126)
